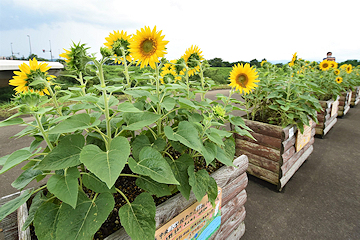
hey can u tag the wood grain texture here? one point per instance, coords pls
(235, 203)
(286, 131)
(228, 226)
(264, 128)
(237, 233)
(234, 188)
(288, 154)
(346, 110)
(288, 165)
(295, 167)
(262, 162)
(263, 174)
(288, 143)
(330, 125)
(22, 214)
(258, 149)
(262, 140)
(175, 205)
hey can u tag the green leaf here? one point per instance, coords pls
(112, 101)
(128, 107)
(106, 165)
(45, 220)
(199, 182)
(168, 103)
(139, 143)
(179, 167)
(212, 191)
(136, 121)
(209, 152)
(243, 132)
(4, 159)
(137, 93)
(37, 201)
(221, 133)
(65, 154)
(88, 216)
(153, 187)
(65, 187)
(187, 134)
(230, 148)
(12, 121)
(25, 178)
(15, 158)
(90, 181)
(221, 156)
(236, 120)
(214, 137)
(151, 163)
(74, 123)
(86, 98)
(138, 218)
(159, 144)
(14, 204)
(186, 103)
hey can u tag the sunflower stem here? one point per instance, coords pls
(46, 137)
(157, 81)
(106, 101)
(187, 82)
(53, 96)
(202, 81)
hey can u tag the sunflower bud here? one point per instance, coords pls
(105, 52)
(29, 101)
(57, 88)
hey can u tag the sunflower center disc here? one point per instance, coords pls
(148, 46)
(242, 80)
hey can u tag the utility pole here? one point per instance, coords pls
(29, 45)
(12, 52)
(50, 50)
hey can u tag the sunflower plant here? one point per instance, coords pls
(160, 139)
(282, 96)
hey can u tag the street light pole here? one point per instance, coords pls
(12, 53)
(50, 50)
(29, 44)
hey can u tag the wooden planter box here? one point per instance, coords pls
(233, 182)
(327, 117)
(12, 224)
(355, 97)
(276, 155)
(344, 103)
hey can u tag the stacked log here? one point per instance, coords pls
(355, 97)
(327, 117)
(344, 103)
(233, 181)
(274, 156)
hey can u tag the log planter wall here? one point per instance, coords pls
(344, 103)
(12, 224)
(273, 157)
(355, 97)
(327, 117)
(232, 180)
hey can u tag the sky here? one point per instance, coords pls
(232, 30)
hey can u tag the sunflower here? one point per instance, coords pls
(30, 73)
(192, 56)
(325, 65)
(262, 62)
(243, 78)
(333, 64)
(168, 75)
(168, 66)
(337, 71)
(117, 42)
(294, 57)
(339, 80)
(349, 68)
(66, 55)
(343, 66)
(147, 46)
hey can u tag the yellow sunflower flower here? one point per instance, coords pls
(337, 71)
(339, 80)
(66, 55)
(168, 76)
(243, 78)
(349, 68)
(191, 56)
(324, 65)
(333, 64)
(262, 62)
(117, 41)
(147, 47)
(28, 74)
(343, 66)
(168, 66)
